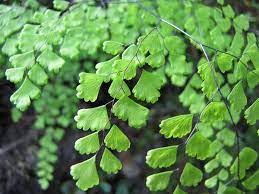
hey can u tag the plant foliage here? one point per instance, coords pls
(146, 46)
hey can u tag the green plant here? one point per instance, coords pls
(210, 55)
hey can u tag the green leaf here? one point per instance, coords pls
(237, 97)
(148, 87)
(253, 53)
(252, 113)
(117, 140)
(23, 96)
(232, 190)
(214, 111)
(10, 46)
(156, 60)
(237, 44)
(105, 68)
(216, 146)
(95, 119)
(227, 137)
(88, 144)
(134, 54)
(252, 182)
(125, 69)
(127, 109)
(50, 60)
(211, 182)
(221, 2)
(224, 62)
(161, 157)
(241, 22)
(178, 191)
(118, 88)
(158, 181)
(228, 11)
(151, 42)
(89, 86)
(208, 85)
(38, 75)
(15, 75)
(85, 173)
(211, 165)
(175, 45)
(191, 175)
(60, 4)
(112, 47)
(198, 146)
(177, 126)
(224, 158)
(25, 60)
(247, 157)
(109, 163)
(223, 175)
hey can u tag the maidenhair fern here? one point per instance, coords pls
(148, 45)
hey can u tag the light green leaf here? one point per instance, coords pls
(208, 84)
(211, 182)
(151, 42)
(125, 69)
(247, 157)
(156, 60)
(60, 4)
(223, 175)
(15, 75)
(112, 47)
(224, 62)
(95, 119)
(132, 53)
(214, 111)
(127, 109)
(211, 165)
(25, 60)
(215, 147)
(10, 46)
(85, 173)
(23, 96)
(175, 45)
(117, 140)
(252, 113)
(38, 75)
(89, 86)
(237, 97)
(232, 190)
(241, 22)
(198, 146)
(237, 44)
(221, 2)
(105, 68)
(178, 190)
(109, 163)
(148, 87)
(50, 60)
(227, 137)
(177, 126)
(118, 88)
(252, 182)
(191, 175)
(88, 144)
(228, 11)
(161, 157)
(224, 158)
(159, 181)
